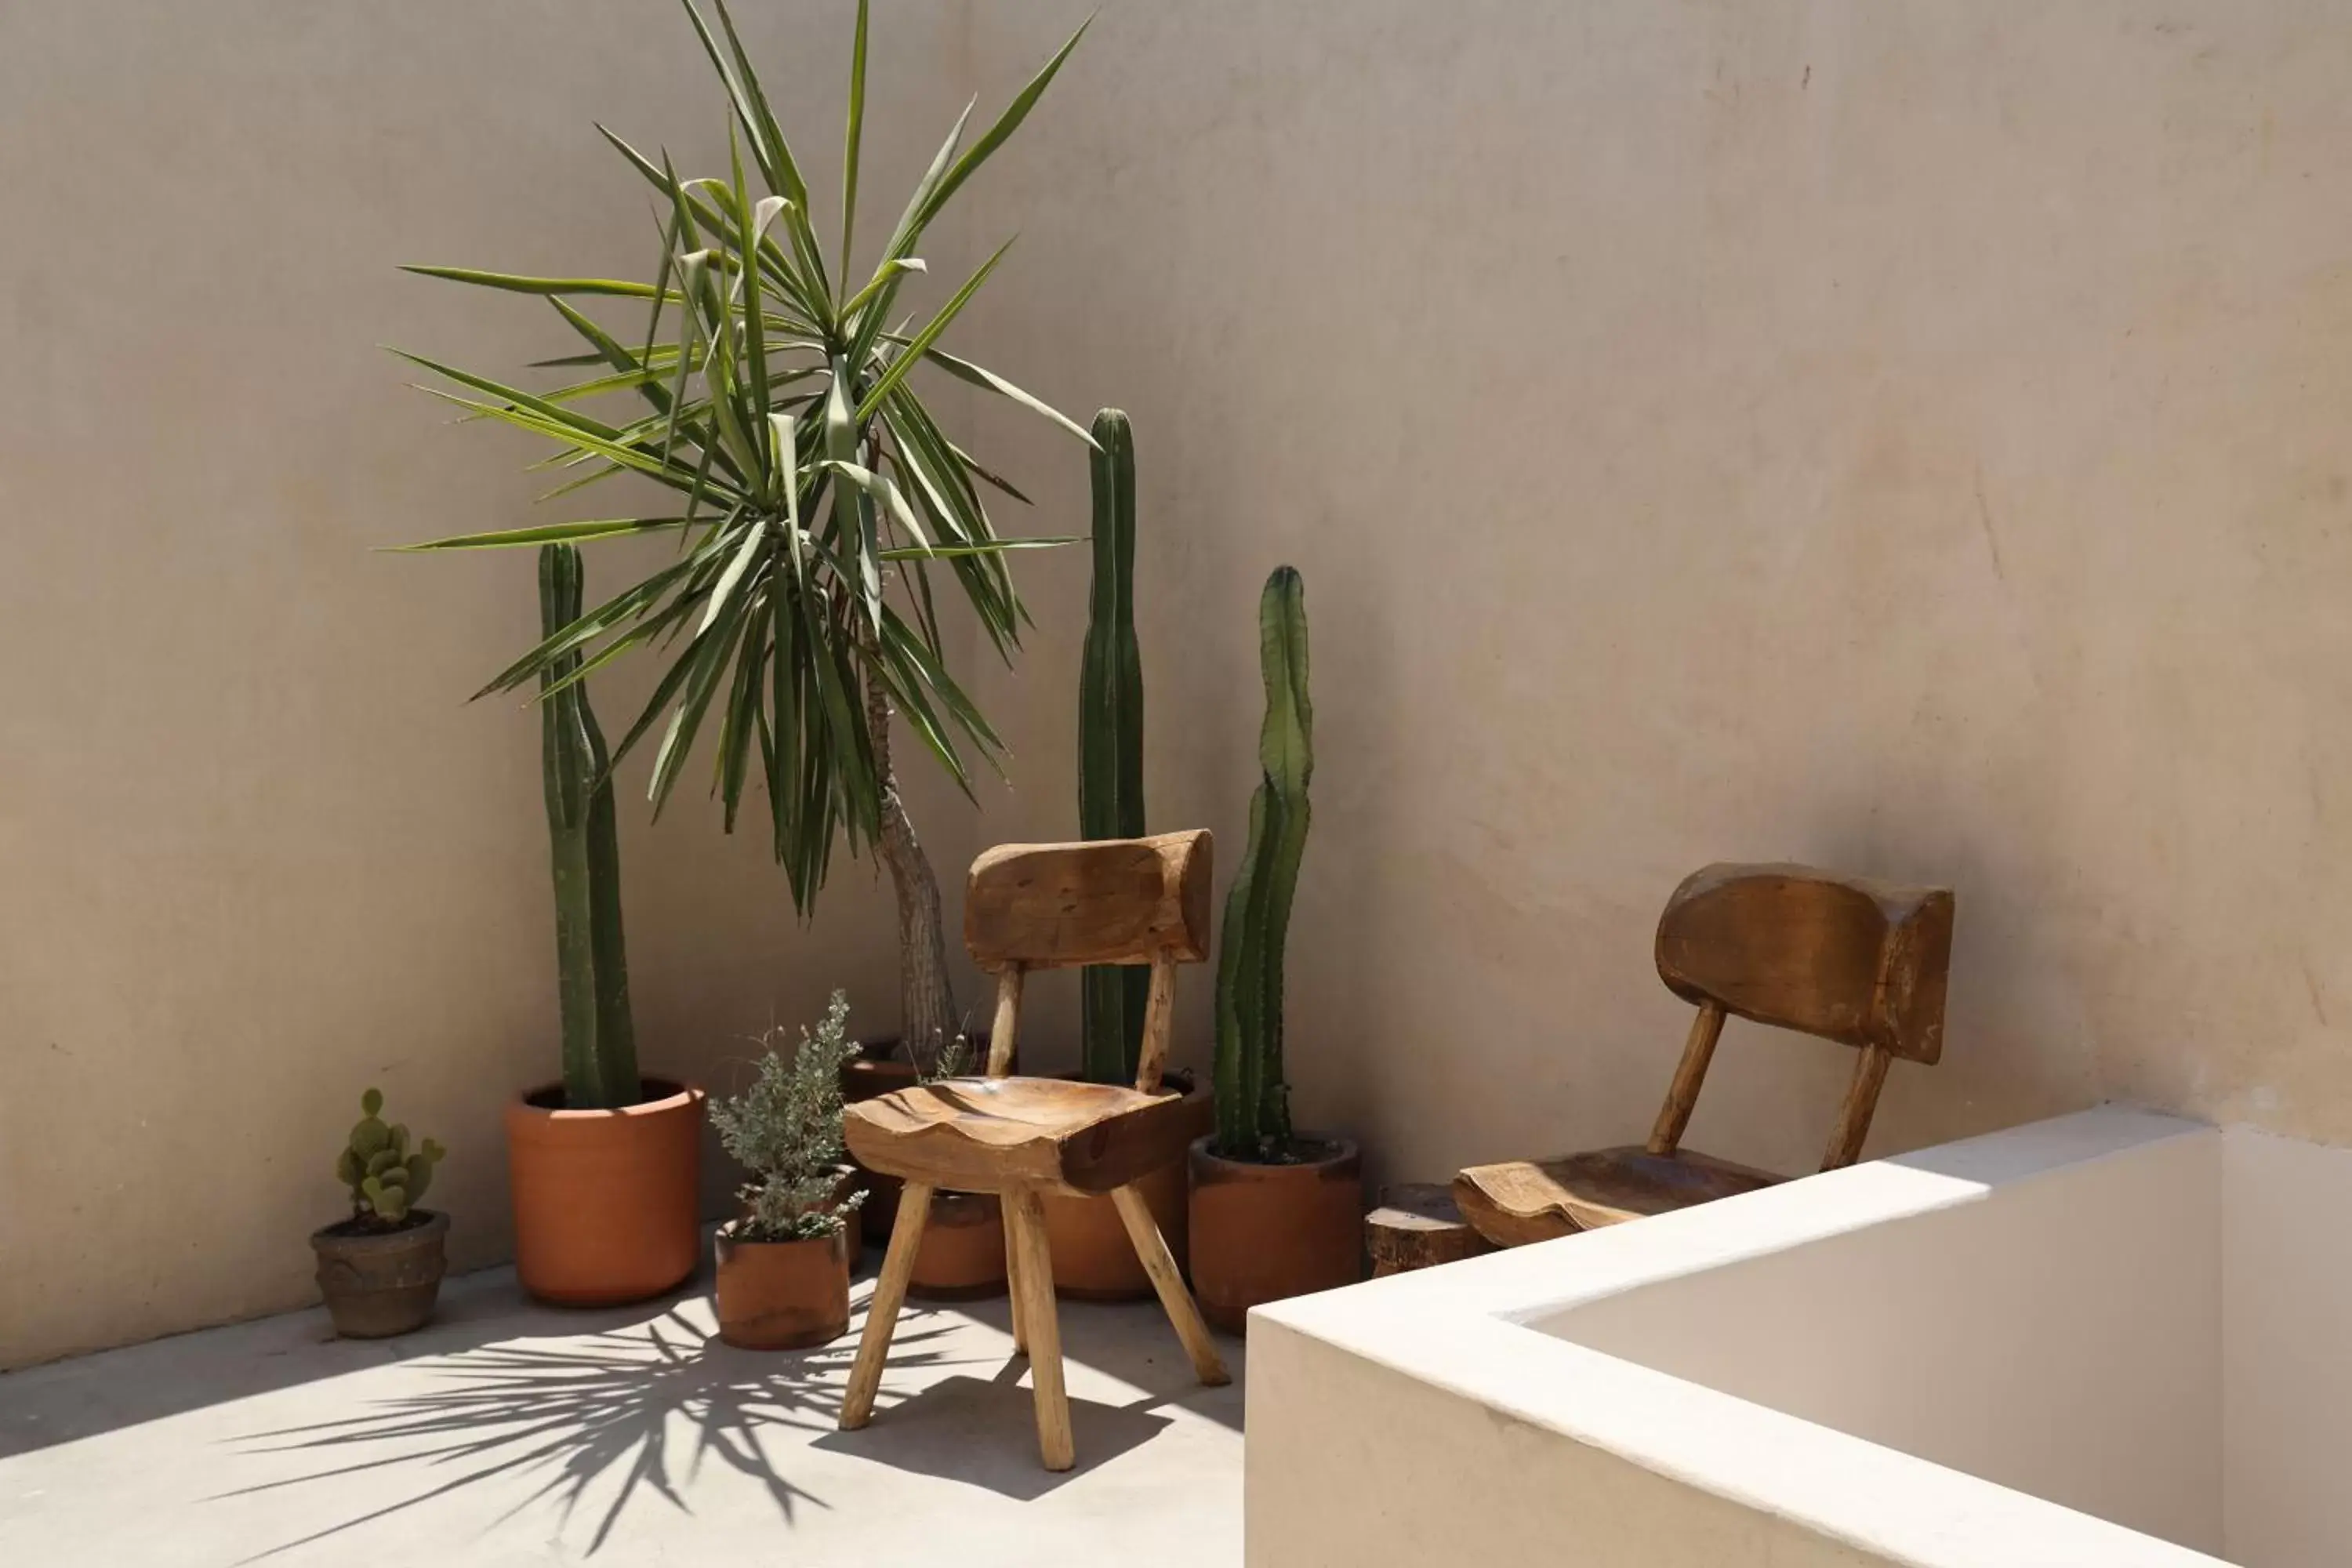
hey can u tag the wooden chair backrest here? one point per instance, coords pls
(1861, 963)
(1112, 901)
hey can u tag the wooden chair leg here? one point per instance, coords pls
(882, 1311)
(1013, 1281)
(1151, 1247)
(1033, 1304)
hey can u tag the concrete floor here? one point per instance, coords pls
(509, 1433)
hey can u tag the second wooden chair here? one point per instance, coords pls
(1046, 906)
(1857, 962)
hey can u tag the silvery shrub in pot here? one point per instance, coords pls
(783, 1262)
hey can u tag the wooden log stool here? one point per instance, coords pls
(1861, 962)
(1042, 906)
(1418, 1225)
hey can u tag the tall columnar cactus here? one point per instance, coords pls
(1110, 738)
(1253, 1100)
(600, 1043)
(385, 1176)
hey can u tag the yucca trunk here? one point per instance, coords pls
(926, 990)
(600, 1046)
(1110, 739)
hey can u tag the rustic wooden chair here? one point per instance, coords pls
(1860, 962)
(1045, 906)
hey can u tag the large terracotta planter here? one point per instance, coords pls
(782, 1295)
(380, 1283)
(1265, 1233)
(962, 1255)
(1094, 1260)
(606, 1205)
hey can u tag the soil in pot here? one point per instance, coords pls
(379, 1282)
(606, 1203)
(1094, 1260)
(782, 1295)
(1264, 1232)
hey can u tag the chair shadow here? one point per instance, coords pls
(581, 1410)
(984, 1433)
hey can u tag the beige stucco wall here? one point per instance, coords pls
(1903, 436)
(258, 852)
(1907, 436)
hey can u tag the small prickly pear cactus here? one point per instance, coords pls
(385, 1176)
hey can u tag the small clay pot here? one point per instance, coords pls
(782, 1295)
(962, 1255)
(1094, 1260)
(1266, 1232)
(607, 1206)
(378, 1283)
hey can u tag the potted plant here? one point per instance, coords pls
(604, 1166)
(1275, 1212)
(783, 1263)
(380, 1268)
(817, 501)
(1093, 1258)
(814, 499)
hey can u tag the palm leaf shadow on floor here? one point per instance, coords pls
(582, 1409)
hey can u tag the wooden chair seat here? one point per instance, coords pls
(1521, 1201)
(993, 1134)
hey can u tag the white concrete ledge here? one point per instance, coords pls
(1451, 1414)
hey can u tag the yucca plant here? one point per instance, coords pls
(812, 494)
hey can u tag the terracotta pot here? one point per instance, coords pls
(606, 1203)
(380, 1283)
(1093, 1258)
(1265, 1233)
(877, 1070)
(782, 1295)
(880, 1067)
(962, 1255)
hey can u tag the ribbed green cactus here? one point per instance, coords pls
(600, 1042)
(1253, 1100)
(384, 1175)
(1110, 738)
